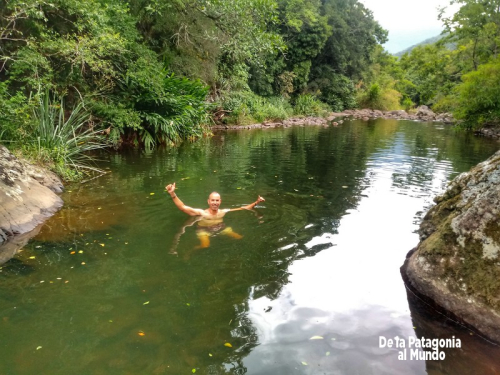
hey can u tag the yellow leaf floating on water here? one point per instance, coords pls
(32, 257)
(304, 363)
(151, 193)
(146, 303)
(140, 333)
(228, 345)
(193, 370)
(80, 252)
(73, 252)
(210, 354)
(316, 338)
(101, 244)
(238, 188)
(38, 347)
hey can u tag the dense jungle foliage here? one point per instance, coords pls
(459, 73)
(157, 71)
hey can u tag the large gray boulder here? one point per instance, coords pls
(27, 195)
(424, 111)
(457, 262)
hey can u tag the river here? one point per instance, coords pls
(306, 283)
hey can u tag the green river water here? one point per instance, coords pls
(114, 283)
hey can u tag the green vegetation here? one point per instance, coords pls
(62, 141)
(156, 72)
(458, 73)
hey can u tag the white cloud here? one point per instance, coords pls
(408, 22)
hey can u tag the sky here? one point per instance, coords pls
(408, 21)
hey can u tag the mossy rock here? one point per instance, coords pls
(457, 263)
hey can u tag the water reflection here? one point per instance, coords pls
(320, 259)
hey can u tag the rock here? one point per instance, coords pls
(457, 262)
(492, 132)
(400, 112)
(27, 195)
(424, 111)
(10, 248)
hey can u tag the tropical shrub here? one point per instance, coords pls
(378, 97)
(62, 139)
(245, 107)
(309, 105)
(15, 114)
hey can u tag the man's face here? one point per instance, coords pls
(214, 201)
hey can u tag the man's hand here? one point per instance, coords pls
(170, 188)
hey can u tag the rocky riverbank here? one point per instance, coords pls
(457, 262)
(422, 113)
(28, 196)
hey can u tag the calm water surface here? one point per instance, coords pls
(115, 283)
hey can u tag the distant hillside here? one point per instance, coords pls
(432, 40)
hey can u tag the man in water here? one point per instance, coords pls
(210, 220)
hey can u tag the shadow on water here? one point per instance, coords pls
(107, 294)
(474, 356)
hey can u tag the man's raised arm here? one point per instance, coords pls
(181, 206)
(249, 206)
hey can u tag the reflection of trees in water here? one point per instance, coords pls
(426, 151)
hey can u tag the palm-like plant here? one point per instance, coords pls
(65, 141)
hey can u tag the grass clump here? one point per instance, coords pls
(61, 140)
(245, 107)
(310, 105)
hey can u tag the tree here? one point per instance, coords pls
(475, 28)
(347, 53)
(478, 99)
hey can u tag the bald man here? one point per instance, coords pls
(210, 218)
